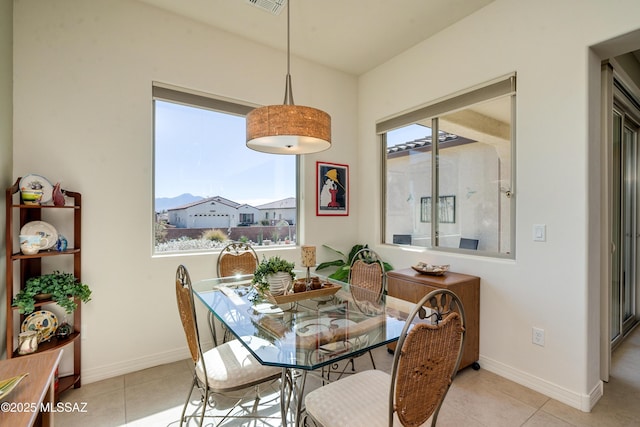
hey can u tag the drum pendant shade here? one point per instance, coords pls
(288, 128)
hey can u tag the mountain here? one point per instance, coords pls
(164, 203)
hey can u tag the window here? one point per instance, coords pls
(468, 169)
(208, 186)
(246, 219)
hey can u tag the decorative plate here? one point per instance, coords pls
(37, 182)
(9, 384)
(434, 270)
(42, 229)
(45, 322)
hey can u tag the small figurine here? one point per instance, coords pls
(64, 330)
(61, 244)
(58, 197)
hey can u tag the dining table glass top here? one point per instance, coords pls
(304, 333)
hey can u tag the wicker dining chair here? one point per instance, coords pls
(228, 370)
(367, 274)
(424, 366)
(367, 282)
(236, 258)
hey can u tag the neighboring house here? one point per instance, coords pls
(213, 212)
(280, 210)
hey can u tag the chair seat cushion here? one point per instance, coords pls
(361, 399)
(231, 367)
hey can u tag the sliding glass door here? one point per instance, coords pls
(625, 230)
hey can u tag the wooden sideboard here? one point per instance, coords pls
(410, 285)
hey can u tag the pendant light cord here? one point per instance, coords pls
(288, 91)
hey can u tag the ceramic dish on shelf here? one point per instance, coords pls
(37, 182)
(432, 269)
(42, 229)
(43, 321)
(9, 384)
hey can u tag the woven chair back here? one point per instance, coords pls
(424, 371)
(427, 358)
(366, 281)
(366, 276)
(186, 309)
(237, 258)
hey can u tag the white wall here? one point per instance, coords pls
(83, 116)
(547, 286)
(6, 129)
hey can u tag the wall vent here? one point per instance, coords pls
(272, 6)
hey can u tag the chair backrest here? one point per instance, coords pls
(427, 358)
(468, 243)
(237, 258)
(367, 272)
(186, 308)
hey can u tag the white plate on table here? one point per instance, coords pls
(42, 229)
(38, 182)
(267, 308)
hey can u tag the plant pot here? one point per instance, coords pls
(279, 282)
(40, 297)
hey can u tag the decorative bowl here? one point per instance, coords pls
(29, 249)
(31, 197)
(432, 269)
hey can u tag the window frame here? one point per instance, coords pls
(502, 87)
(196, 99)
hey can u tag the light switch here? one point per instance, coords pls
(539, 233)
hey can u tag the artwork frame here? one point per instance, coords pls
(446, 211)
(332, 189)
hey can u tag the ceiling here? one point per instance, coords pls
(353, 36)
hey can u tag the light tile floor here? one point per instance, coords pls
(154, 397)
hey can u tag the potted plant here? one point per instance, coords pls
(63, 288)
(344, 264)
(273, 274)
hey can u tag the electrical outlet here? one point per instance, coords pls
(537, 336)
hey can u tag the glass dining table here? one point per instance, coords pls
(303, 333)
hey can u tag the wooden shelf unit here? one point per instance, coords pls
(17, 215)
(410, 285)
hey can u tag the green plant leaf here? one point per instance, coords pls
(335, 263)
(63, 287)
(335, 250)
(269, 266)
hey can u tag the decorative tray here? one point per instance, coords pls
(327, 289)
(432, 269)
(9, 384)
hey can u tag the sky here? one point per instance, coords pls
(203, 153)
(407, 133)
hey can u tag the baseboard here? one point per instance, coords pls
(583, 402)
(104, 372)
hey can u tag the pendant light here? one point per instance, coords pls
(288, 128)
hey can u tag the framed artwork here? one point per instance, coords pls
(446, 209)
(332, 189)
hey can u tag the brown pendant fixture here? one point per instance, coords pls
(288, 128)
